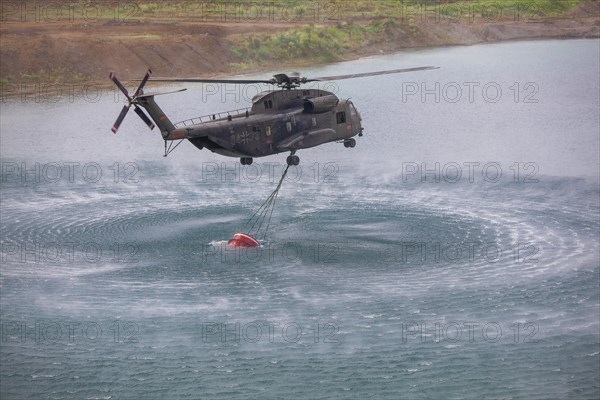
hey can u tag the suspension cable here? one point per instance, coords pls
(265, 209)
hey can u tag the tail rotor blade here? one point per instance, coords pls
(113, 77)
(120, 118)
(139, 89)
(132, 101)
(144, 117)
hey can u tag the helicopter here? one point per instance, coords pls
(286, 119)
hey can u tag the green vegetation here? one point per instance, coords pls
(308, 11)
(28, 82)
(311, 43)
(58, 75)
(476, 9)
(361, 24)
(6, 82)
(292, 11)
(527, 8)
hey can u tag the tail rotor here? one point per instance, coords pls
(131, 101)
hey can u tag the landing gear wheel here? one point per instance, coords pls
(246, 160)
(293, 160)
(349, 143)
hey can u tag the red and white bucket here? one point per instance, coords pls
(241, 239)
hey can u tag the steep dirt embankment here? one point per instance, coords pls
(77, 50)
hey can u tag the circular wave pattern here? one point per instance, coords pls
(384, 278)
(357, 262)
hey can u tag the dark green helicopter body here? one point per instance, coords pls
(284, 120)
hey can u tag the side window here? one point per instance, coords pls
(341, 117)
(268, 131)
(268, 104)
(289, 126)
(314, 121)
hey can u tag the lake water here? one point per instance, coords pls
(454, 252)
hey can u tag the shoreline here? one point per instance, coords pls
(37, 92)
(34, 87)
(45, 54)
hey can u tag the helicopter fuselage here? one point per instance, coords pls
(278, 121)
(287, 119)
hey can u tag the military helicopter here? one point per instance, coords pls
(283, 120)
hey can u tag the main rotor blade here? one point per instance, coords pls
(360, 75)
(202, 80)
(120, 118)
(113, 77)
(278, 79)
(144, 117)
(148, 74)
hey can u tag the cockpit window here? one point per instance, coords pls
(352, 109)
